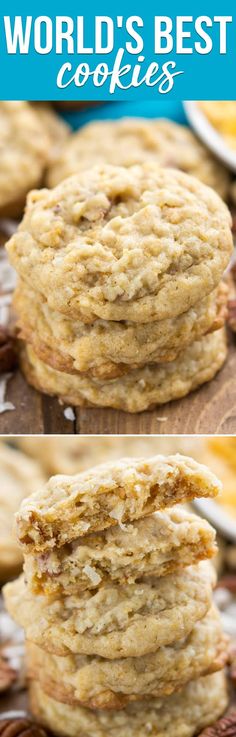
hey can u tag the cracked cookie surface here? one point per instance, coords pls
(139, 244)
(115, 621)
(102, 684)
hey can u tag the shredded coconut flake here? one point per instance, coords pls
(117, 513)
(4, 406)
(69, 414)
(92, 574)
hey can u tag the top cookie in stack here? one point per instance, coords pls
(123, 267)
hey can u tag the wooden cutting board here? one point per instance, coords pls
(209, 410)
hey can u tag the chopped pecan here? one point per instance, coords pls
(20, 727)
(225, 727)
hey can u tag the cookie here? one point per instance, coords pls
(118, 491)
(24, 155)
(58, 131)
(123, 621)
(19, 476)
(140, 244)
(153, 546)
(111, 684)
(107, 349)
(131, 141)
(184, 714)
(72, 454)
(138, 390)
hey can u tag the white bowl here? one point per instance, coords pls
(218, 517)
(209, 135)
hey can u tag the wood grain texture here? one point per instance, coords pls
(209, 410)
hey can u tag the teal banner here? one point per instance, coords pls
(121, 51)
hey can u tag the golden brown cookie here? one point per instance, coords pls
(183, 714)
(130, 141)
(112, 493)
(111, 684)
(19, 477)
(140, 244)
(24, 155)
(153, 546)
(123, 621)
(107, 349)
(138, 390)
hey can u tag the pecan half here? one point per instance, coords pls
(225, 727)
(20, 727)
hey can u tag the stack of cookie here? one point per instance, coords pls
(117, 603)
(120, 301)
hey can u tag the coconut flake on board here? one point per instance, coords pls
(5, 406)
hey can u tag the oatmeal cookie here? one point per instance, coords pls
(56, 128)
(153, 546)
(19, 476)
(123, 621)
(72, 454)
(138, 390)
(183, 714)
(23, 157)
(111, 684)
(118, 491)
(140, 244)
(131, 141)
(107, 349)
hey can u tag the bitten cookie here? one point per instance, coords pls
(153, 546)
(108, 349)
(114, 492)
